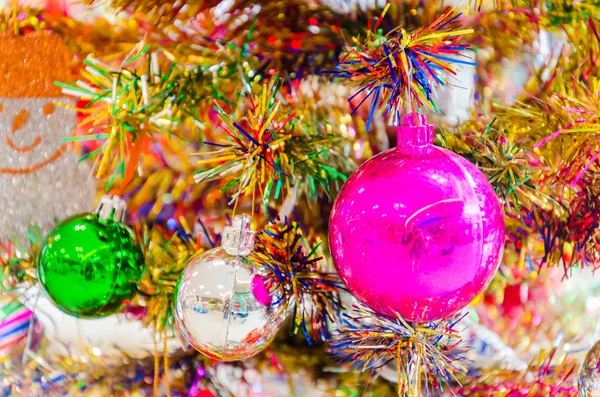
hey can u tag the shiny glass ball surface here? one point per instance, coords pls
(417, 231)
(89, 266)
(217, 311)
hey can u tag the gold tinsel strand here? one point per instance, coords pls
(166, 257)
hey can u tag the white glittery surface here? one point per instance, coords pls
(51, 193)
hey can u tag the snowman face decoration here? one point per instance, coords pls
(23, 123)
(41, 181)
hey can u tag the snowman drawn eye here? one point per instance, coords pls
(49, 108)
(20, 120)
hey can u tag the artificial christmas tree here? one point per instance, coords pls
(196, 112)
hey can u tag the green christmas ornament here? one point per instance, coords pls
(90, 263)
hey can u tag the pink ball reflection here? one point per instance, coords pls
(416, 230)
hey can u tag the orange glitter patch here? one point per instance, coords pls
(49, 108)
(30, 65)
(36, 167)
(0, 107)
(20, 120)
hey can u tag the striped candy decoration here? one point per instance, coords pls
(15, 320)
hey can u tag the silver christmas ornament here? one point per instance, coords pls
(487, 350)
(588, 379)
(389, 372)
(217, 309)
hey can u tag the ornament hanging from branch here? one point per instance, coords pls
(428, 246)
(422, 251)
(220, 307)
(90, 263)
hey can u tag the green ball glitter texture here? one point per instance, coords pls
(89, 266)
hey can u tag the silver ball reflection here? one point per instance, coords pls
(487, 350)
(588, 380)
(217, 312)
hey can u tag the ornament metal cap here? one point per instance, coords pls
(238, 239)
(111, 208)
(414, 133)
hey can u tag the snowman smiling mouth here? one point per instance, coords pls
(23, 149)
(34, 167)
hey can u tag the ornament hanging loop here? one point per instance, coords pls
(111, 208)
(238, 239)
(415, 133)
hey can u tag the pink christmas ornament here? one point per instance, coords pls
(416, 230)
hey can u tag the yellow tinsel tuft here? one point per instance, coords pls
(166, 257)
(18, 261)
